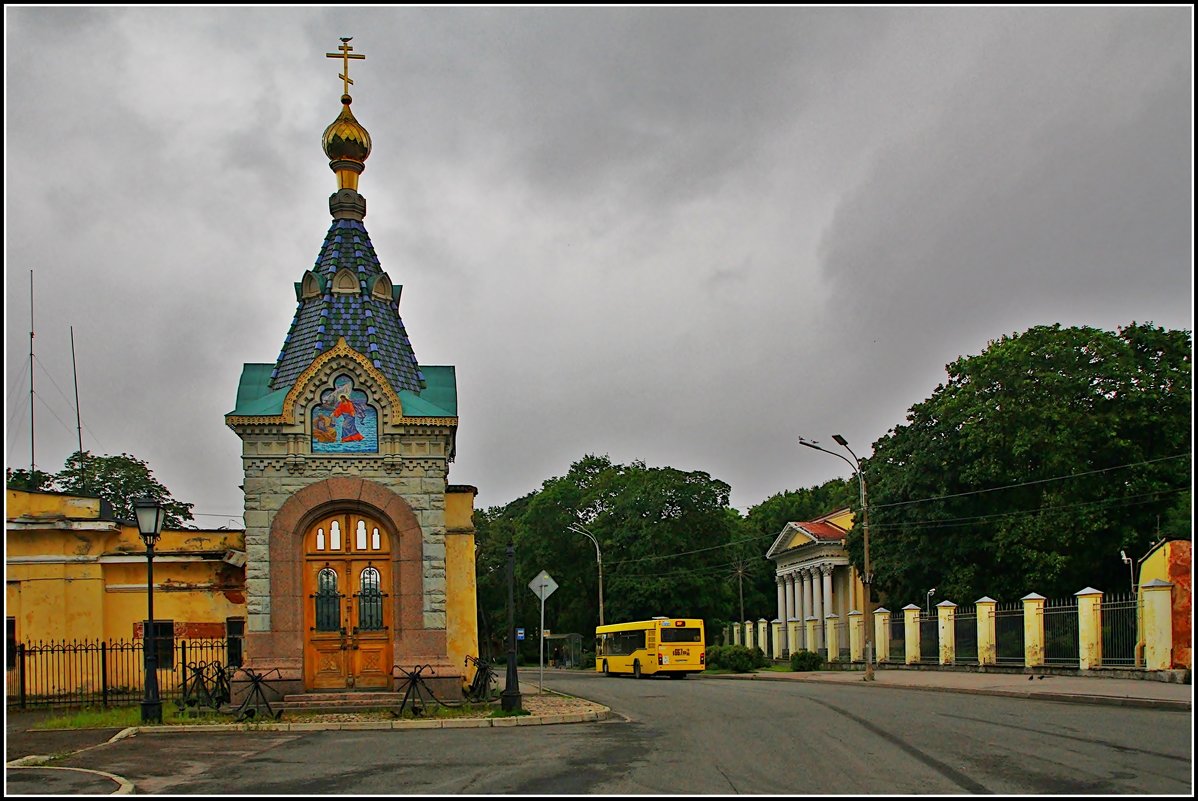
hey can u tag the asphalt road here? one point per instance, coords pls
(700, 736)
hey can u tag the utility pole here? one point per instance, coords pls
(509, 699)
(867, 579)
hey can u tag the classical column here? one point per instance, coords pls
(781, 640)
(789, 595)
(801, 607)
(829, 601)
(817, 606)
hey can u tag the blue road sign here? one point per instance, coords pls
(519, 634)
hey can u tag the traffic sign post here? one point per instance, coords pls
(542, 586)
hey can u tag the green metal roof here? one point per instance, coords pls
(439, 398)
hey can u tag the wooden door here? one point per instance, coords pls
(347, 604)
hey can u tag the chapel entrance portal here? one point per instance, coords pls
(348, 616)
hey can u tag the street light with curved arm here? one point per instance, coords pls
(577, 529)
(867, 578)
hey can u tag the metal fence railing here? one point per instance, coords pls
(842, 641)
(1008, 633)
(1061, 645)
(105, 673)
(929, 639)
(1119, 630)
(965, 636)
(898, 639)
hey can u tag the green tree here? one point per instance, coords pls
(1034, 465)
(118, 480)
(28, 480)
(665, 536)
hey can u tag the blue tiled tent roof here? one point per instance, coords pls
(370, 325)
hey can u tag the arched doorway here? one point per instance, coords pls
(348, 619)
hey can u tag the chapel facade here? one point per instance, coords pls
(359, 553)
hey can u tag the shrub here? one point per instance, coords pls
(737, 658)
(806, 660)
(760, 660)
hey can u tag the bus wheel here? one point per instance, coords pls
(606, 672)
(636, 668)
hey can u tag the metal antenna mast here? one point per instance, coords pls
(32, 427)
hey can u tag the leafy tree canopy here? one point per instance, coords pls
(1034, 465)
(115, 479)
(664, 536)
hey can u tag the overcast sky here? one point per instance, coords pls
(681, 235)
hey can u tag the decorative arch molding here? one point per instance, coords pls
(380, 287)
(319, 375)
(312, 286)
(346, 282)
(329, 496)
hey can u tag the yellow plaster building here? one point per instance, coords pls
(74, 573)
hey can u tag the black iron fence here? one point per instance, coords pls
(1008, 633)
(929, 639)
(965, 635)
(105, 673)
(898, 639)
(1119, 630)
(1061, 646)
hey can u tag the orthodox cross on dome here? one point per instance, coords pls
(345, 55)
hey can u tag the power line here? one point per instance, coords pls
(1133, 501)
(1030, 483)
(1127, 500)
(697, 550)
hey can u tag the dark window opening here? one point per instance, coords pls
(10, 650)
(234, 636)
(163, 632)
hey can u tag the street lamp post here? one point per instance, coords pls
(150, 517)
(509, 699)
(867, 578)
(577, 529)
(928, 605)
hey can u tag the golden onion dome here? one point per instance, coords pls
(345, 138)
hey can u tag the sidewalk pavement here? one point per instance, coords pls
(1144, 693)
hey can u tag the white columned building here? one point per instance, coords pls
(815, 577)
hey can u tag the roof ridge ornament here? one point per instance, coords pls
(347, 144)
(346, 54)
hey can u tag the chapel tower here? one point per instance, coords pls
(359, 554)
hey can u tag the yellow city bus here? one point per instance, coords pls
(670, 645)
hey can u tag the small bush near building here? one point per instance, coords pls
(806, 660)
(588, 660)
(736, 658)
(760, 660)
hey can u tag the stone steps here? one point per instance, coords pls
(341, 701)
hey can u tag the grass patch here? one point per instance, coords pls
(504, 713)
(115, 717)
(784, 668)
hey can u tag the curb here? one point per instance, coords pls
(124, 786)
(377, 725)
(1107, 700)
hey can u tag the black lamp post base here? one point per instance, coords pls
(510, 702)
(151, 711)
